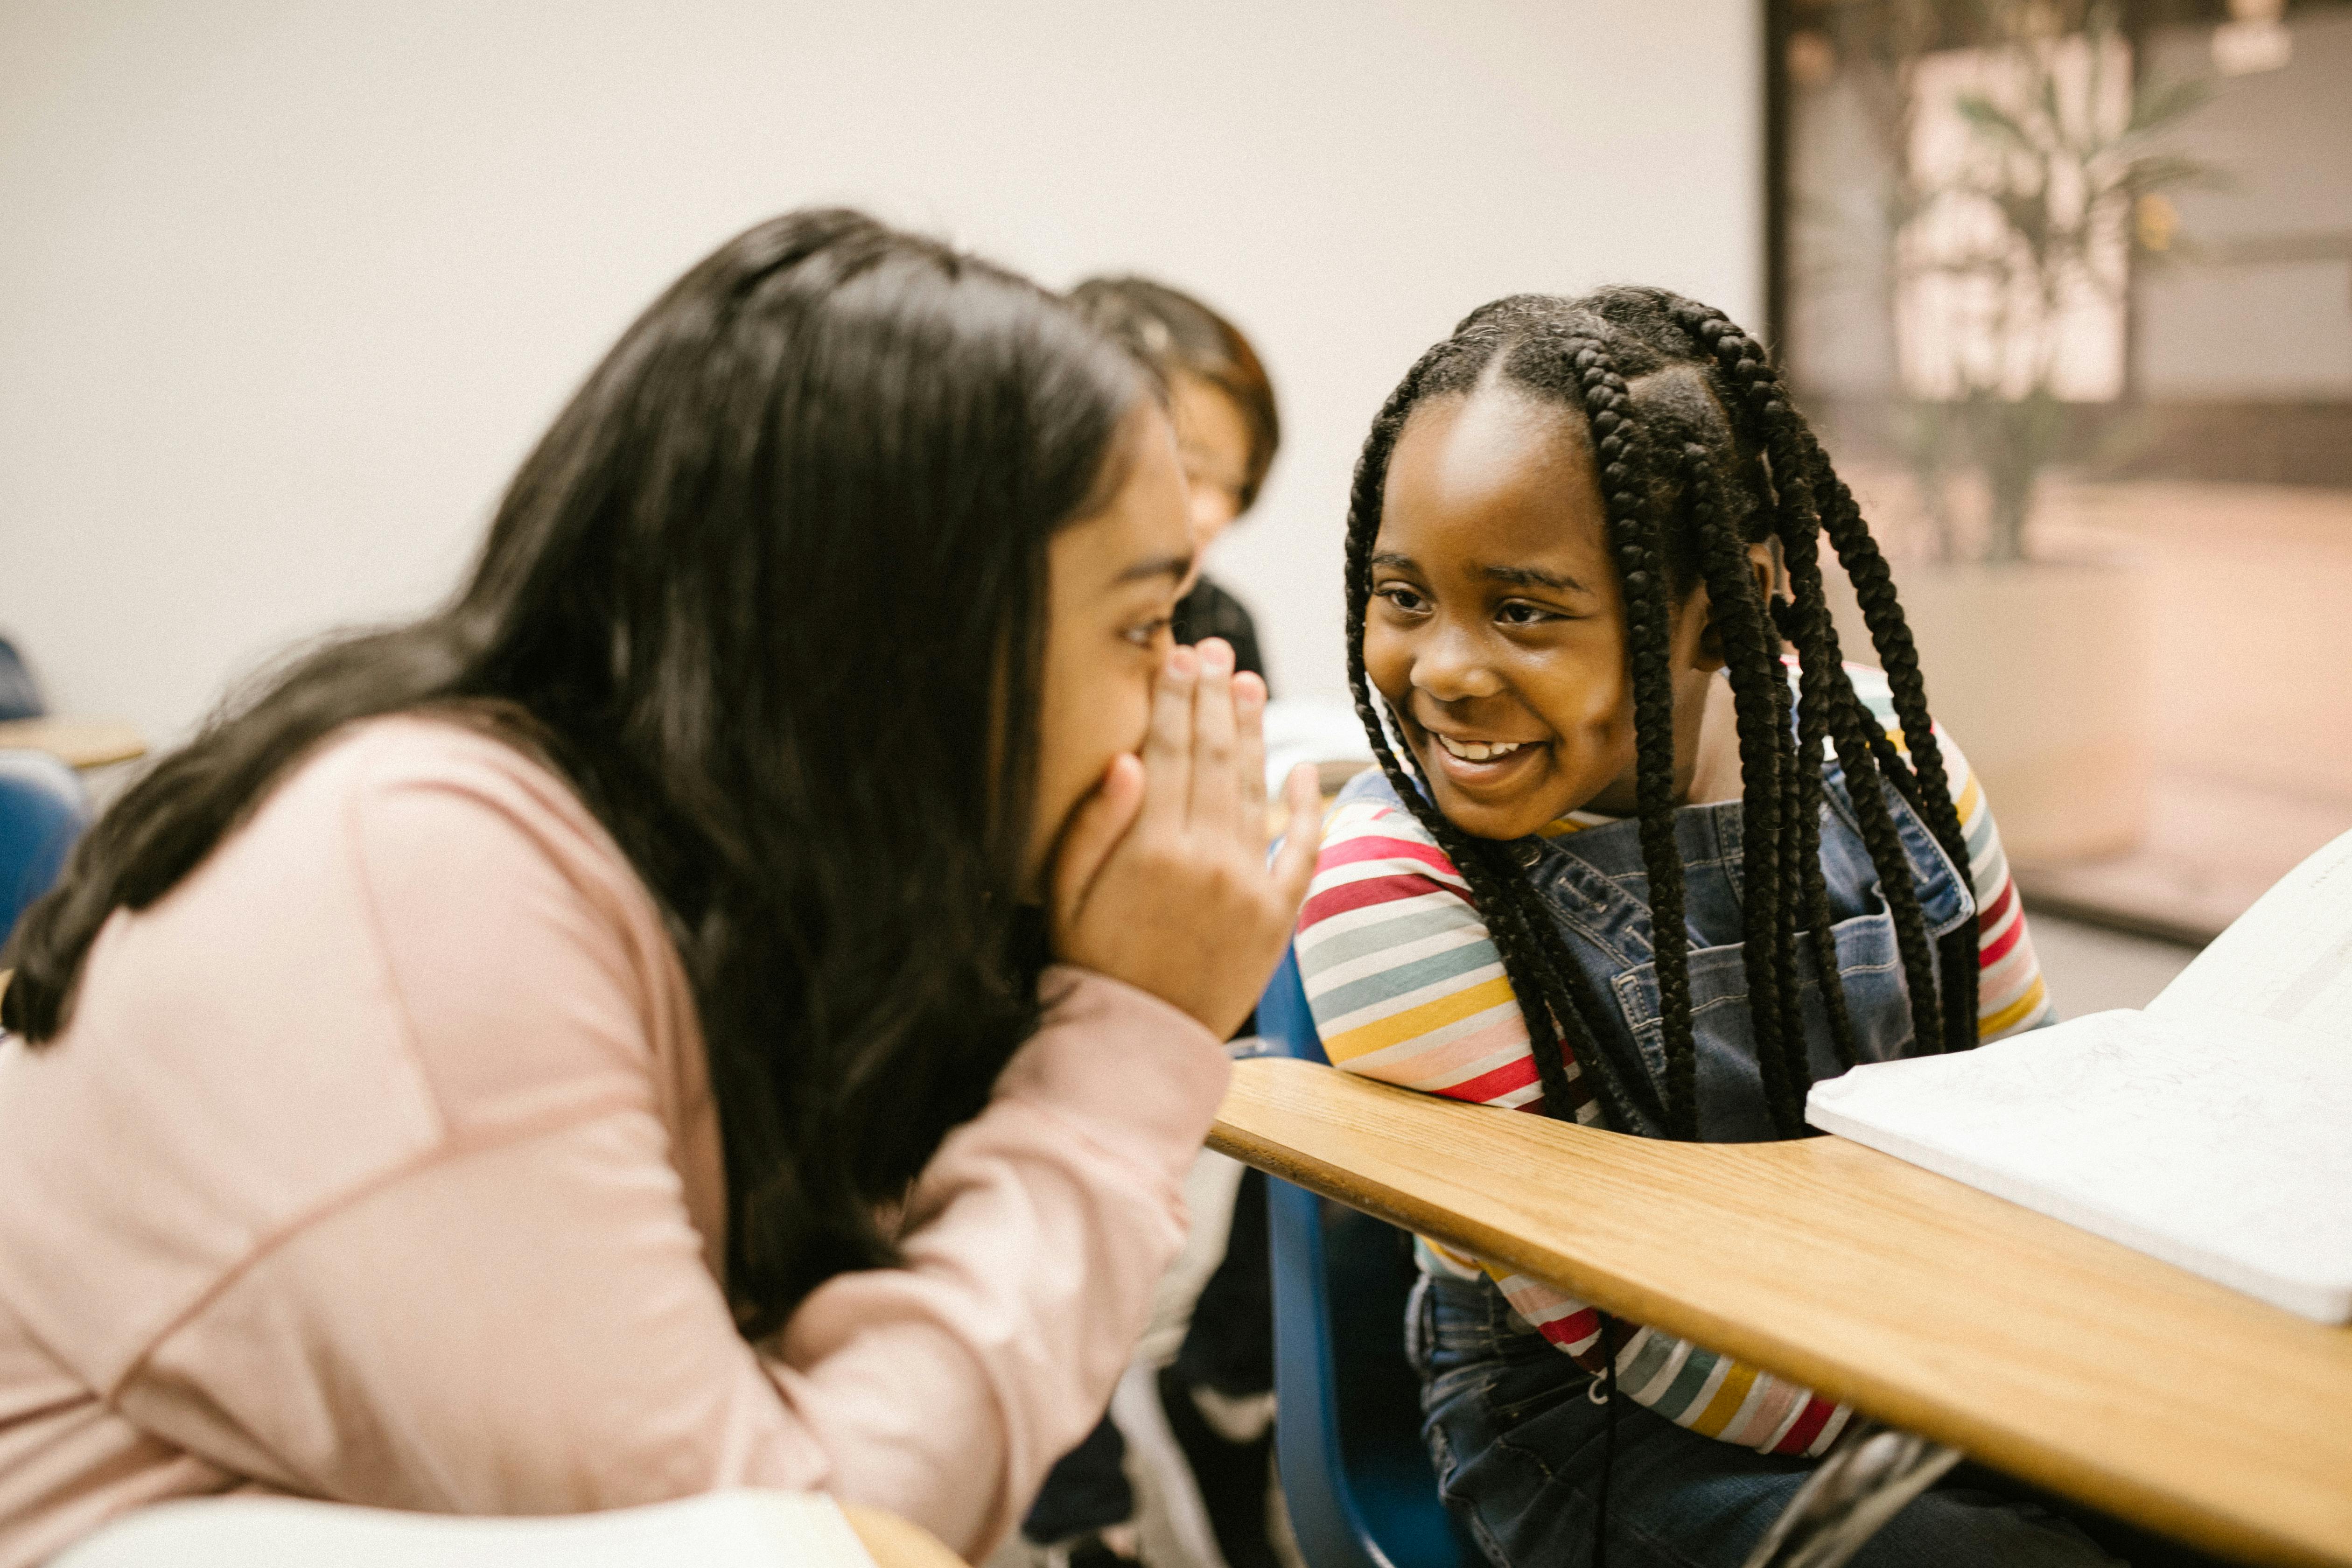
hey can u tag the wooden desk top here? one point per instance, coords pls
(2061, 1358)
(82, 742)
(895, 1542)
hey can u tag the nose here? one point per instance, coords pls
(1453, 668)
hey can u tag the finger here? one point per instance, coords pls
(1215, 792)
(1249, 755)
(1095, 829)
(1168, 744)
(1293, 867)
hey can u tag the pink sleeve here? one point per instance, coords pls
(522, 1319)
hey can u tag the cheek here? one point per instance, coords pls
(1388, 660)
(1091, 713)
(1129, 704)
(1607, 696)
(1110, 716)
(1586, 696)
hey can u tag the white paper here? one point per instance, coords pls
(2287, 960)
(2213, 1131)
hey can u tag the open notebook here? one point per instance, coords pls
(2212, 1129)
(720, 1529)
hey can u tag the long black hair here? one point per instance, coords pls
(1700, 454)
(772, 594)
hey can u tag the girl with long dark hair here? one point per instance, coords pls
(728, 1000)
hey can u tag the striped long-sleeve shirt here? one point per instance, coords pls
(1406, 986)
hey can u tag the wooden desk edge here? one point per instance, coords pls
(77, 742)
(895, 1542)
(2003, 1449)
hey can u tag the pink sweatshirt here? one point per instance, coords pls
(379, 1165)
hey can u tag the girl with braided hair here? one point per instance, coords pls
(1641, 851)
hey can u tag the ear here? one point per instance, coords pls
(1704, 650)
(1764, 564)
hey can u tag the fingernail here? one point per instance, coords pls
(1217, 657)
(1182, 662)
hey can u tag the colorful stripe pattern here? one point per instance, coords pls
(1407, 987)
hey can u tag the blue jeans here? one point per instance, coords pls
(1517, 1448)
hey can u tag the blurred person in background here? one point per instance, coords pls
(1204, 1427)
(1227, 428)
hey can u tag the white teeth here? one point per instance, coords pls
(1478, 752)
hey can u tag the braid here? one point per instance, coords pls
(1758, 699)
(1633, 539)
(1873, 588)
(1803, 617)
(1792, 883)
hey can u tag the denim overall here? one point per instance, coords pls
(1598, 895)
(1515, 1439)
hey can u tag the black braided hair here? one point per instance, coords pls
(1699, 455)
(1946, 1009)
(1635, 543)
(1814, 501)
(1759, 696)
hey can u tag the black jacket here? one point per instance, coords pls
(1208, 611)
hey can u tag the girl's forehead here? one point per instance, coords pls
(1492, 476)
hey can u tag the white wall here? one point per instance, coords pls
(286, 289)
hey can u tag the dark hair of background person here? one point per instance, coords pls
(1170, 332)
(1699, 454)
(771, 593)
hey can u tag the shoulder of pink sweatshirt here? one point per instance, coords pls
(379, 1162)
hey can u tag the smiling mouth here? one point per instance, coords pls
(1478, 751)
(1483, 768)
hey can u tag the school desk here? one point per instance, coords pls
(895, 1542)
(80, 743)
(2065, 1360)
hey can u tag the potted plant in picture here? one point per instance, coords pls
(2021, 163)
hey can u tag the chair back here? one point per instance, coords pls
(43, 810)
(1355, 1473)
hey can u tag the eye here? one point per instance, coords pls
(1519, 613)
(1405, 599)
(1146, 634)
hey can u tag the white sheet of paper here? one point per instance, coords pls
(2213, 1131)
(2215, 1141)
(2287, 960)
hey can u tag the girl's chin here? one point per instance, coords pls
(1496, 799)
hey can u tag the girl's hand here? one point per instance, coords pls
(1161, 879)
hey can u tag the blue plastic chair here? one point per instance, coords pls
(1355, 1473)
(43, 809)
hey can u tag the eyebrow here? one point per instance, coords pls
(1531, 577)
(1518, 577)
(1176, 566)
